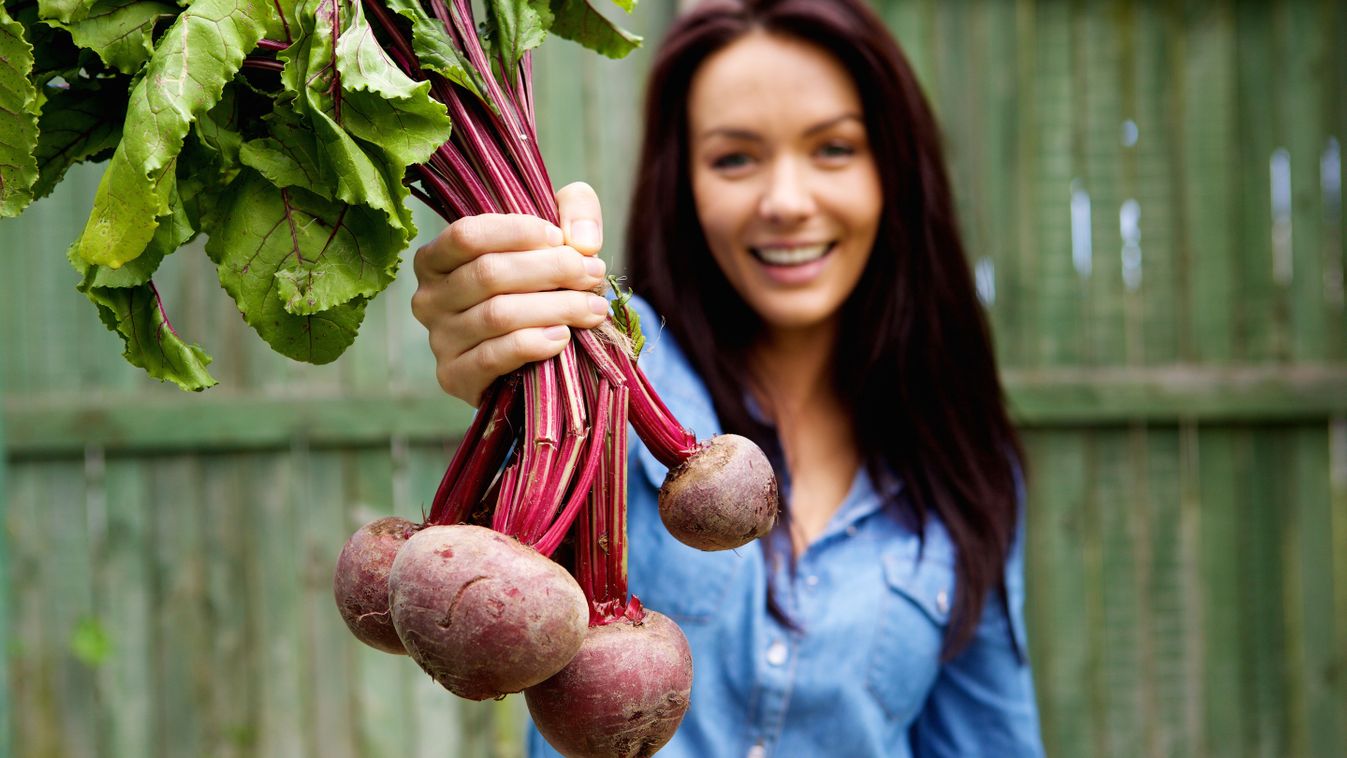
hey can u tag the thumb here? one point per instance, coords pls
(581, 217)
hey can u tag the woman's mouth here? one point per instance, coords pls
(794, 255)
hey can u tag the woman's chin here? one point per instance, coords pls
(794, 312)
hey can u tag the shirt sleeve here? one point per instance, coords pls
(982, 703)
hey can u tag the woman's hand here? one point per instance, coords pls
(498, 291)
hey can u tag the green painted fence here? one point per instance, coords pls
(1152, 196)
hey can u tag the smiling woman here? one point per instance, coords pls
(788, 197)
(786, 187)
(793, 230)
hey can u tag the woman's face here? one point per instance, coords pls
(784, 180)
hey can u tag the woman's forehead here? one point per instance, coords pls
(770, 79)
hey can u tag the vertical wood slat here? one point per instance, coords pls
(31, 659)
(1162, 280)
(1261, 328)
(1209, 153)
(278, 587)
(1337, 477)
(1331, 176)
(1302, 122)
(1261, 603)
(1309, 553)
(1057, 631)
(179, 629)
(1051, 274)
(7, 741)
(1218, 487)
(226, 539)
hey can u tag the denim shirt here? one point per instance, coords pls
(861, 675)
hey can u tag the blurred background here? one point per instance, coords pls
(1152, 197)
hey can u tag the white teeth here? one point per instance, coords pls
(790, 256)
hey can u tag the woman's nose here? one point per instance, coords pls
(786, 199)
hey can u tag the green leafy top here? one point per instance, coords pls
(625, 317)
(290, 132)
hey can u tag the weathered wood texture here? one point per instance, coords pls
(1152, 198)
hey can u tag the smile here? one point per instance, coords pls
(791, 256)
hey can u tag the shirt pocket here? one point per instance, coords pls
(913, 614)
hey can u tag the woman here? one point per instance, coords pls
(793, 231)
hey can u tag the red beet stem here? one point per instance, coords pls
(478, 456)
(545, 505)
(578, 496)
(657, 427)
(601, 529)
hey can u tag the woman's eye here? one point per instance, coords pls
(731, 161)
(834, 150)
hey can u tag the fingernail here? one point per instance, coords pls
(598, 305)
(594, 267)
(556, 333)
(554, 237)
(585, 233)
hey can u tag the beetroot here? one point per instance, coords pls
(360, 584)
(483, 614)
(722, 496)
(624, 694)
(719, 494)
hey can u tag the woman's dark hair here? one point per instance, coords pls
(914, 363)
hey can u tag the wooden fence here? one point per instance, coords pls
(1152, 196)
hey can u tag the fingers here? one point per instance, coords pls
(508, 313)
(474, 236)
(498, 291)
(581, 217)
(492, 274)
(503, 333)
(470, 374)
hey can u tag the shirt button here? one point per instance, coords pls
(851, 531)
(942, 601)
(757, 751)
(777, 653)
(811, 580)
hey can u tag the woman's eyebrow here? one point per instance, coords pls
(830, 123)
(752, 136)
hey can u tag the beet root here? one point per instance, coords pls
(722, 497)
(360, 583)
(624, 694)
(483, 614)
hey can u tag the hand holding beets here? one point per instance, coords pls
(496, 291)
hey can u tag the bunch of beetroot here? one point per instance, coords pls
(471, 594)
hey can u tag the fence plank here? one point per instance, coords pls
(7, 642)
(1209, 155)
(1156, 316)
(1262, 324)
(1263, 639)
(1337, 477)
(276, 494)
(126, 607)
(1301, 118)
(1056, 575)
(1309, 551)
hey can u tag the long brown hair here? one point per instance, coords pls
(915, 364)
